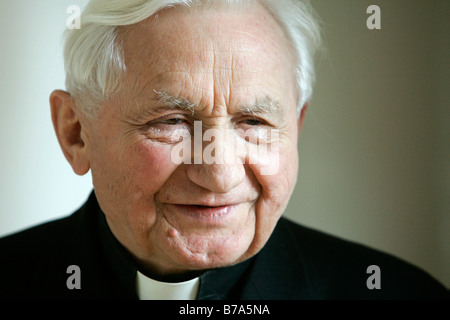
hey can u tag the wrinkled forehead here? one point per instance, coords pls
(241, 45)
(249, 27)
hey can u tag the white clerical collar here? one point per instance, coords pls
(149, 289)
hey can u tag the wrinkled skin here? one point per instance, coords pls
(176, 218)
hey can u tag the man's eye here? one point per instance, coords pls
(173, 121)
(253, 122)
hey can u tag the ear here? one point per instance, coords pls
(68, 130)
(301, 119)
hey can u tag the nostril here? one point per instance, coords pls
(216, 178)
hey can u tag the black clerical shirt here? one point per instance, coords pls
(296, 263)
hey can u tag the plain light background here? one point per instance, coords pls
(374, 151)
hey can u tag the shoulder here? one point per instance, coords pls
(37, 259)
(37, 239)
(337, 268)
(47, 238)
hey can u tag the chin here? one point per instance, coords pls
(203, 253)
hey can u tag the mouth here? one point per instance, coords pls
(210, 215)
(206, 211)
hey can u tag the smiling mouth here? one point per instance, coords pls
(204, 213)
(200, 206)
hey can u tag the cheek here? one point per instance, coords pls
(275, 166)
(152, 165)
(132, 172)
(277, 176)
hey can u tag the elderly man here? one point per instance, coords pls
(187, 114)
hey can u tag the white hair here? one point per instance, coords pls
(94, 57)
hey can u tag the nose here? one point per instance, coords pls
(223, 171)
(217, 178)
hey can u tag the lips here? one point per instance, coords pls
(202, 211)
(194, 215)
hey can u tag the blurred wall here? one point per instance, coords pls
(37, 184)
(374, 151)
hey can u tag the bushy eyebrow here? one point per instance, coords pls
(265, 106)
(170, 102)
(164, 102)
